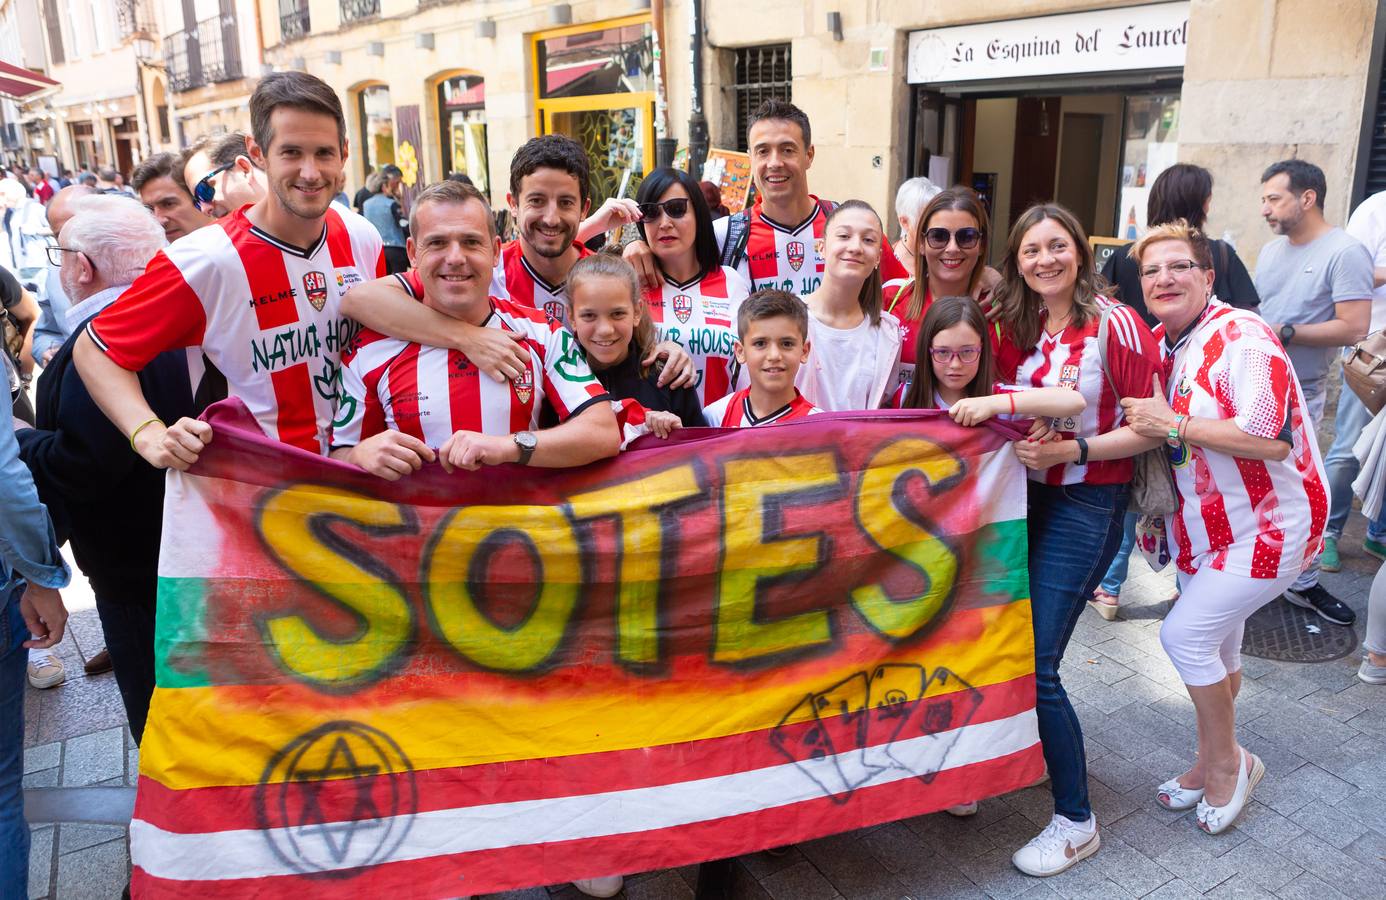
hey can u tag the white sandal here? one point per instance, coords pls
(1217, 819)
(1175, 797)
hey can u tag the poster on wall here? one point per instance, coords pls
(407, 152)
(731, 172)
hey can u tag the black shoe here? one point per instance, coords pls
(1322, 602)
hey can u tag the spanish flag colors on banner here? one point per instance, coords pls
(449, 685)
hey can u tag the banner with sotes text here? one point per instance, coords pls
(461, 684)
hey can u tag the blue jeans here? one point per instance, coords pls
(1121, 563)
(14, 831)
(1343, 467)
(1074, 531)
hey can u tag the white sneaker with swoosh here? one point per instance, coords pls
(1061, 844)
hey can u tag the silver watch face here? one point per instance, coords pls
(526, 440)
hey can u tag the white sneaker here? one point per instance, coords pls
(963, 810)
(1061, 844)
(608, 886)
(45, 669)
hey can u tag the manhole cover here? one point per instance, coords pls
(1281, 631)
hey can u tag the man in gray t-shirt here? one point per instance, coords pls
(1316, 286)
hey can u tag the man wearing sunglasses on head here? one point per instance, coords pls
(259, 291)
(774, 244)
(222, 176)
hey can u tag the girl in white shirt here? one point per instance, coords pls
(856, 346)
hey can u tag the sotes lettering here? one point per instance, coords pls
(758, 552)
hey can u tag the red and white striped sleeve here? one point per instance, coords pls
(1132, 354)
(159, 312)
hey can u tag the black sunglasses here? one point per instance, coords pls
(204, 191)
(674, 209)
(938, 238)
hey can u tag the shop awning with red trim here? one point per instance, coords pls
(21, 84)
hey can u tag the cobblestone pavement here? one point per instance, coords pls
(1316, 828)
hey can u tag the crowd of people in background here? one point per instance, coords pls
(1170, 366)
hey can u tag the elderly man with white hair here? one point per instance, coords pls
(102, 495)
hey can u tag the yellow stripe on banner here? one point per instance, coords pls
(200, 737)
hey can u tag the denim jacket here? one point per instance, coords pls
(27, 546)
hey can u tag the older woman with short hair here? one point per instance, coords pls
(1252, 498)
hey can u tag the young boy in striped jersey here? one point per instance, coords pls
(773, 344)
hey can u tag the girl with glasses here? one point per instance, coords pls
(696, 302)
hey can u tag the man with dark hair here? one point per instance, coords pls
(265, 278)
(159, 182)
(1315, 283)
(382, 210)
(364, 192)
(774, 244)
(87, 179)
(224, 164)
(106, 181)
(43, 188)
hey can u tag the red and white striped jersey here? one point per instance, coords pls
(701, 318)
(431, 392)
(786, 256)
(266, 313)
(1072, 359)
(514, 279)
(734, 411)
(1250, 517)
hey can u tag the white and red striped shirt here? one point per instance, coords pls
(1072, 359)
(1250, 517)
(431, 392)
(266, 314)
(786, 256)
(514, 279)
(700, 317)
(734, 411)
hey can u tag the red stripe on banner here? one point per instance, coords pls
(297, 417)
(229, 808)
(502, 869)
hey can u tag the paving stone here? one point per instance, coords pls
(1347, 756)
(534, 893)
(1239, 887)
(1337, 705)
(1307, 784)
(78, 707)
(1366, 807)
(1086, 882)
(799, 882)
(663, 886)
(1341, 871)
(1178, 889)
(1307, 887)
(995, 875)
(898, 848)
(1267, 867)
(40, 861)
(1370, 850)
(100, 871)
(44, 756)
(1265, 826)
(1148, 834)
(1118, 774)
(1372, 721)
(45, 778)
(95, 757)
(851, 867)
(954, 838)
(1330, 825)
(73, 836)
(1128, 867)
(938, 881)
(1013, 832)
(762, 864)
(1196, 866)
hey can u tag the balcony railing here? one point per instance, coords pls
(182, 62)
(352, 10)
(135, 17)
(293, 19)
(219, 48)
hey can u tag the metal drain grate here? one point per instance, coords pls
(1281, 631)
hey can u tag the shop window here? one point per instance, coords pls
(377, 126)
(85, 146)
(1150, 145)
(596, 85)
(462, 128)
(762, 73)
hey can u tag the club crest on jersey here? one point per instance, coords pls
(1068, 376)
(524, 386)
(794, 252)
(1184, 389)
(554, 310)
(315, 287)
(683, 307)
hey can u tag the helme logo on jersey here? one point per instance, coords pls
(683, 307)
(524, 385)
(315, 287)
(794, 251)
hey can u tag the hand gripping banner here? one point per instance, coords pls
(448, 685)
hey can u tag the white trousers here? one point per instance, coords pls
(1202, 635)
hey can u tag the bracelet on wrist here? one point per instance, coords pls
(141, 427)
(1173, 437)
(1082, 459)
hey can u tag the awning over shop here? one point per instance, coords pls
(21, 84)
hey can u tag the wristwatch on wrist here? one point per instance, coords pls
(1287, 334)
(1082, 459)
(526, 441)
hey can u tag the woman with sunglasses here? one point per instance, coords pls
(950, 244)
(1053, 316)
(695, 304)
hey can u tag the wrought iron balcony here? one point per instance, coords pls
(354, 10)
(219, 49)
(182, 62)
(293, 19)
(135, 17)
